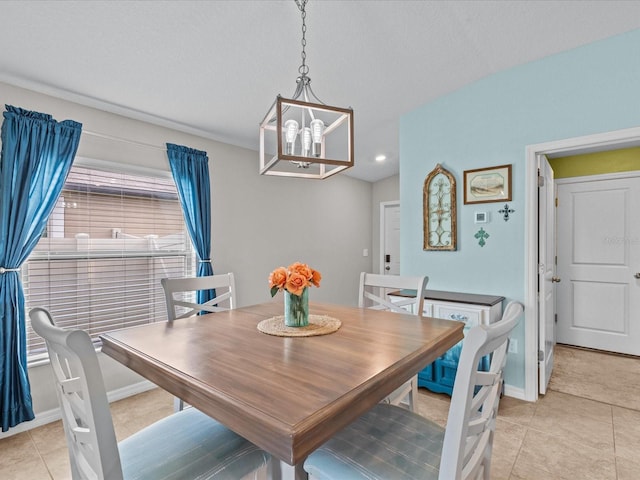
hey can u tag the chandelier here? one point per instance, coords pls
(301, 136)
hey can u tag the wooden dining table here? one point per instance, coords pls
(288, 395)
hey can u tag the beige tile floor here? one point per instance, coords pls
(587, 427)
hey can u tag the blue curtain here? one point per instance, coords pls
(190, 169)
(37, 153)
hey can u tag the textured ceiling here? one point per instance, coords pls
(214, 67)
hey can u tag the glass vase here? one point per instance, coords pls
(296, 309)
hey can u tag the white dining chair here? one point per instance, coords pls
(389, 442)
(179, 293)
(185, 445)
(374, 293)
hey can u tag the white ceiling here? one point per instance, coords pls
(214, 67)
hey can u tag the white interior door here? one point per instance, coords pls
(390, 235)
(599, 261)
(546, 272)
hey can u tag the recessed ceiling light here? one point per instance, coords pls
(381, 158)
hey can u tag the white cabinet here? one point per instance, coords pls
(472, 309)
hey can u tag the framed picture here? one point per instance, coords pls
(485, 185)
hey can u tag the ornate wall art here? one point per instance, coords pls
(481, 236)
(439, 210)
(505, 211)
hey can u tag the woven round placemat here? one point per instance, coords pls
(318, 325)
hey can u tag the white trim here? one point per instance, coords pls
(42, 418)
(599, 142)
(514, 392)
(92, 102)
(598, 178)
(383, 205)
(531, 271)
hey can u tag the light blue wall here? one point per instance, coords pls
(592, 89)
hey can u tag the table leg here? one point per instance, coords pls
(280, 470)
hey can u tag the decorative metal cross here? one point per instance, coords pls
(506, 211)
(481, 235)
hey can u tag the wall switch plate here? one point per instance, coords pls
(481, 217)
(513, 345)
(365, 252)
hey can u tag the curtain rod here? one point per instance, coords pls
(123, 140)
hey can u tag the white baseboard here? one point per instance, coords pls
(514, 392)
(48, 416)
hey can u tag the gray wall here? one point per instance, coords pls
(258, 222)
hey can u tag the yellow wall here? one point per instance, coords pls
(612, 161)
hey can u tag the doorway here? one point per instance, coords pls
(533, 317)
(390, 238)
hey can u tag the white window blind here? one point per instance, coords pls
(111, 238)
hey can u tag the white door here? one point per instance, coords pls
(546, 272)
(599, 262)
(390, 235)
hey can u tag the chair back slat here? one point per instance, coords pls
(468, 440)
(475, 464)
(71, 385)
(180, 295)
(374, 290)
(91, 439)
(486, 378)
(384, 304)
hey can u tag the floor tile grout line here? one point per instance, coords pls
(520, 451)
(546, 432)
(594, 400)
(44, 462)
(612, 457)
(564, 437)
(515, 459)
(615, 457)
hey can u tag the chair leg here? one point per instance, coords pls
(413, 396)
(178, 404)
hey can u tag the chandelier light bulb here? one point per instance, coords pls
(306, 142)
(317, 131)
(290, 134)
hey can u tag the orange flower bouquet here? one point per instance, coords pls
(295, 280)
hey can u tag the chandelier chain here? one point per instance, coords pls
(304, 68)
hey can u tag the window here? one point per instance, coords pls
(110, 239)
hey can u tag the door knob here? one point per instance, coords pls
(389, 268)
(556, 279)
(637, 275)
